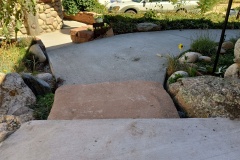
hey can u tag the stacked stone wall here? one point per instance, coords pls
(50, 15)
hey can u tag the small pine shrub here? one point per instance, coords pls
(207, 5)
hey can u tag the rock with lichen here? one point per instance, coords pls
(208, 96)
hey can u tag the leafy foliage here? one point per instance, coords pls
(72, 7)
(175, 78)
(125, 23)
(207, 5)
(14, 11)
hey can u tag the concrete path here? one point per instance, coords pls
(129, 139)
(119, 58)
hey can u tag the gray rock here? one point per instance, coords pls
(205, 58)
(15, 96)
(207, 96)
(144, 27)
(227, 45)
(233, 71)
(47, 77)
(38, 52)
(8, 124)
(37, 85)
(189, 57)
(222, 51)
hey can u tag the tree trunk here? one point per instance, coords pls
(33, 28)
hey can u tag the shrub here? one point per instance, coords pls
(150, 14)
(206, 5)
(204, 45)
(72, 7)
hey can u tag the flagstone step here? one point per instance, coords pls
(131, 99)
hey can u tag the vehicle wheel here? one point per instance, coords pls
(131, 11)
(181, 11)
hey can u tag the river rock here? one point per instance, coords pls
(227, 45)
(47, 77)
(15, 96)
(233, 71)
(38, 52)
(175, 75)
(189, 57)
(144, 27)
(37, 85)
(205, 58)
(207, 96)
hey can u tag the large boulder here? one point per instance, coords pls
(144, 27)
(237, 51)
(233, 71)
(15, 96)
(37, 85)
(8, 124)
(207, 96)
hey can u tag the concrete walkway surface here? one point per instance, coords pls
(127, 57)
(120, 58)
(125, 139)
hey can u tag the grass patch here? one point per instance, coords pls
(43, 106)
(13, 55)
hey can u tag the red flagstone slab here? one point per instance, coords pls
(132, 99)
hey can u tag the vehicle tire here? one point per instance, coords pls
(131, 11)
(182, 10)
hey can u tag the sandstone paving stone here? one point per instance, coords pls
(131, 99)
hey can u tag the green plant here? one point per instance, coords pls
(206, 5)
(72, 7)
(174, 65)
(11, 58)
(12, 13)
(192, 72)
(204, 45)
(43, 106)
(150, 14)
(221, 70)
(205, 69)
(174, 79)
